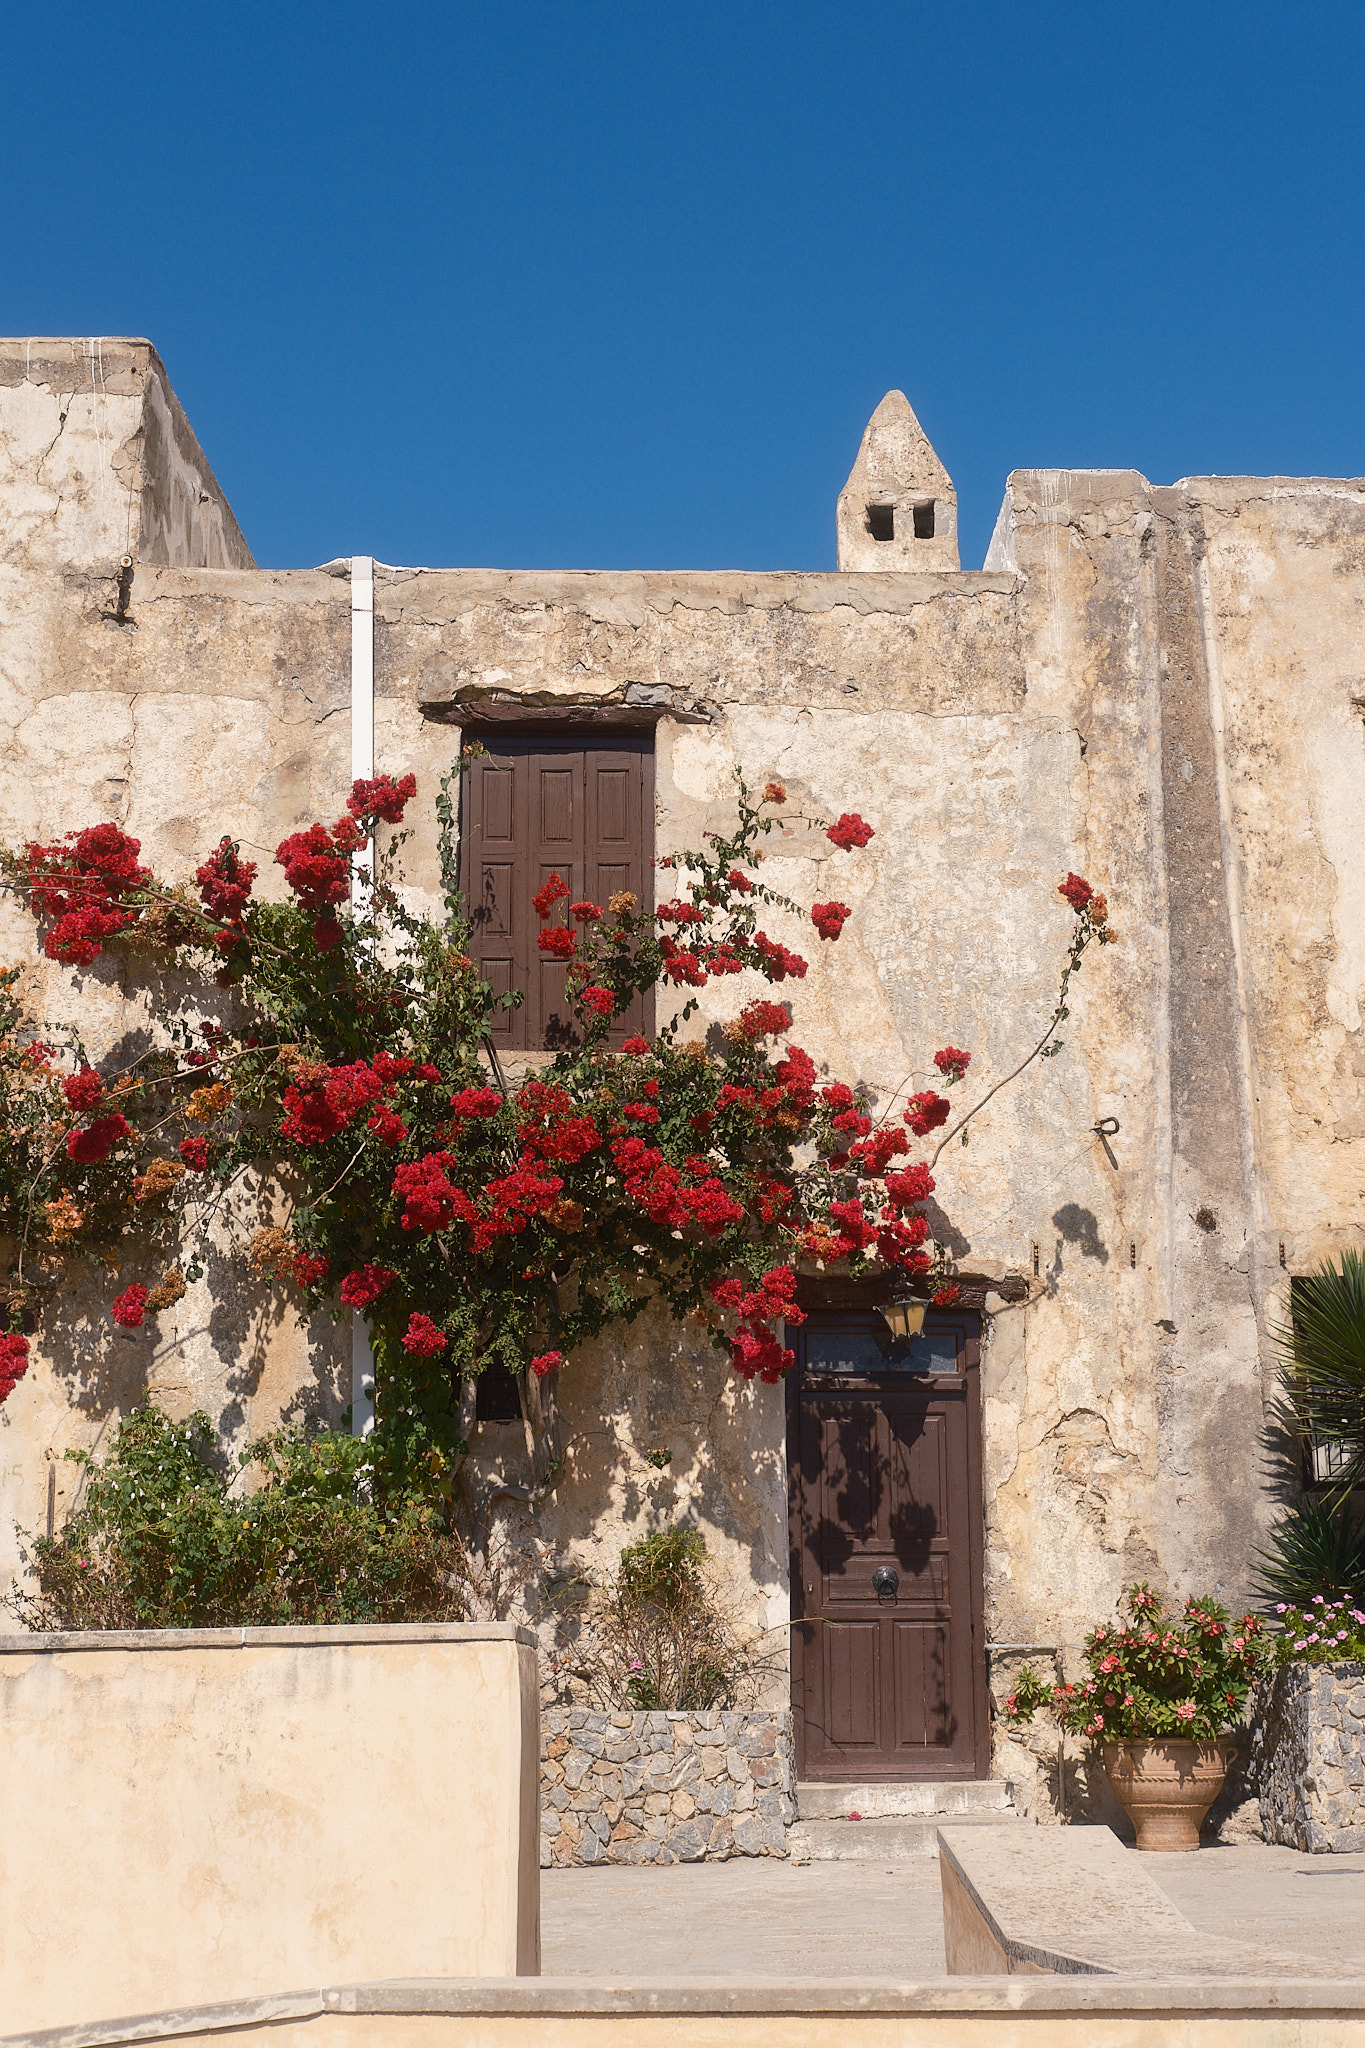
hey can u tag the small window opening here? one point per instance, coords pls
(495, 1396)
(881, 522)
(924, 522)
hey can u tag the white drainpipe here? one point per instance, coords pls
(362, 879)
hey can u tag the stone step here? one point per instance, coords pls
(955, 1796)
(896, 1838)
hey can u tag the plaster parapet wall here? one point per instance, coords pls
(210, 1814)
(664, 1787)
(1309, 1757)
(470, 638)
(97, 461)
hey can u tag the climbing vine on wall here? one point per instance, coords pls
(472, 1223)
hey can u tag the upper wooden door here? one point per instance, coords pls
(888, 1680)
(536, 807)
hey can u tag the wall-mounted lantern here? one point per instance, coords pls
(903, 1315)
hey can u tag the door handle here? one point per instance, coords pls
(886, 1582)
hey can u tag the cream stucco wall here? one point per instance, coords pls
(187, 1817)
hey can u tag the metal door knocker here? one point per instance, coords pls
(886, 1582)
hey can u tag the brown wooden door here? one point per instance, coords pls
(886, 1472)
(536, 807)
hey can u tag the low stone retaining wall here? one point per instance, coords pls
(663, 1788)
(1308, 1757)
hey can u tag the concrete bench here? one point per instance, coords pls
(1072, 1901)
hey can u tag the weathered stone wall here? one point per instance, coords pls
(663, 1788)
(1309, 1757)
(1157, 687)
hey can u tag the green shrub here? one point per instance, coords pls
(162, 1539)
(663, 1570)
(655, 1638)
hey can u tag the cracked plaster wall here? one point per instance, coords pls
(1159, 688)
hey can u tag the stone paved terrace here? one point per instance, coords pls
(740, 1919)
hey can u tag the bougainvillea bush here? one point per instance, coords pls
(1152, 1677)
(472, 1224)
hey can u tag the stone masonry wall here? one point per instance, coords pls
(663, 1788)
(1309, 1757)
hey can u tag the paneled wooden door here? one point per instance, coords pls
(888, 1650)
(536, 806)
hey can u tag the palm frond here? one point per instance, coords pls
(1317, 1547)
(1322, 1350)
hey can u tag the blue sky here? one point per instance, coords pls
(604, 285)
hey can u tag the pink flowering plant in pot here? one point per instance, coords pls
(338, 1116)
(1159, 1698)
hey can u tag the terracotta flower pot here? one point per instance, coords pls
(1167, 1786)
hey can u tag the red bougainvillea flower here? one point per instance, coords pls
(777, 962)
(347, 836)
(387, 1125)
(429, 1199)
(600, 999)
(774, 793)
(310, 1269)
(546, 897)
(912, 1184)
(423, 1337)
(476, 1102)
(380, 797)
(952, 1062)
(94, 1144)
(849, 831)
(225, 881)
(195, 1153)
(739, 881)
(309, 1118)
(558, 941)
(927, 1111)
(636, 1047)
(680, 965)
(548, 1362)
(318, 874)
(944, 1297)
(92, 866)
(81, 882)
(130, 1307)
(1077, 892)
(365, 1285)
(829, 918)
(586, 913)
(13, 1363)
(83, 1090)
(679, 911)
(326, 934)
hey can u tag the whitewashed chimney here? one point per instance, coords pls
(898, 509)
